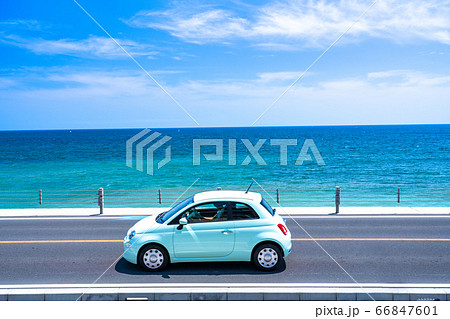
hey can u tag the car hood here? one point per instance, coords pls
(145, 225)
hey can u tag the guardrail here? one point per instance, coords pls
(393, 196)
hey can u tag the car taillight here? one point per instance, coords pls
(283, 229)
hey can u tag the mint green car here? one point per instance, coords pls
(211, 226)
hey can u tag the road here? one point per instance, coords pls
(365, 249)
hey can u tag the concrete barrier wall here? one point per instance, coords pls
(223, 294)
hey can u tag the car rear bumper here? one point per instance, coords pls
(287, 249)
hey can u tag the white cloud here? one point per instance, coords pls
(63, 84)
(279, 76)
(306, 23)
(406, 78)
(197, 28)
(6, 83)
(391, 96)
(92, 47)
(32, 25)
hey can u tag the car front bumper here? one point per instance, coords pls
(129, 250)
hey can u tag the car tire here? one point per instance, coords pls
(153, 257)
(267, 257)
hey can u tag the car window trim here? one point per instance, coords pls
(228, 208)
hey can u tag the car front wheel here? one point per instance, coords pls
(267, 257)
(153, 258)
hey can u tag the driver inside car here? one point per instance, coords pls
(194, 216)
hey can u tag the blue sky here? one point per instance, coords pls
(224, 62)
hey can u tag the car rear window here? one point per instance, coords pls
(267, 206)
(241, 211)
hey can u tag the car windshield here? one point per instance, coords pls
(267, 206)
(161, 218)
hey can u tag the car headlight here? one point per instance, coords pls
(132, 234)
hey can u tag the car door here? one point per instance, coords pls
(247, 225)
(209, 232)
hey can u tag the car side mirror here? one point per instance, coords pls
(183, 221)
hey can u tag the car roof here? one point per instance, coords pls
(227, 195)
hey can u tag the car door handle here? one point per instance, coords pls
(226, 232)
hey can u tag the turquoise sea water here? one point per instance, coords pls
(369, 163)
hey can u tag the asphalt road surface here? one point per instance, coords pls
(366, 249)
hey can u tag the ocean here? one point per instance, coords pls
(379, 165)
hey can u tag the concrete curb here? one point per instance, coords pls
(223, 293)
(294, 211)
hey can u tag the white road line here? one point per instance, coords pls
(68, 218)
(232, 285)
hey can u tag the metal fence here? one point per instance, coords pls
(284, 197)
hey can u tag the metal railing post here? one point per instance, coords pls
(40, 197)
(101, 200)
(159, 195)
(338, 199)
(398, 195)
(278, 196)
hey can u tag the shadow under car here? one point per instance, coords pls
(200, 268)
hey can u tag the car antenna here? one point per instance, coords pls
(249, 187)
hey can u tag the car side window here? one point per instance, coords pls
(203, 213)
(241, 211)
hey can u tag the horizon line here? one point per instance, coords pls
(206, 127)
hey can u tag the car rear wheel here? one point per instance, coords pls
(153, 258)
(267, 257)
